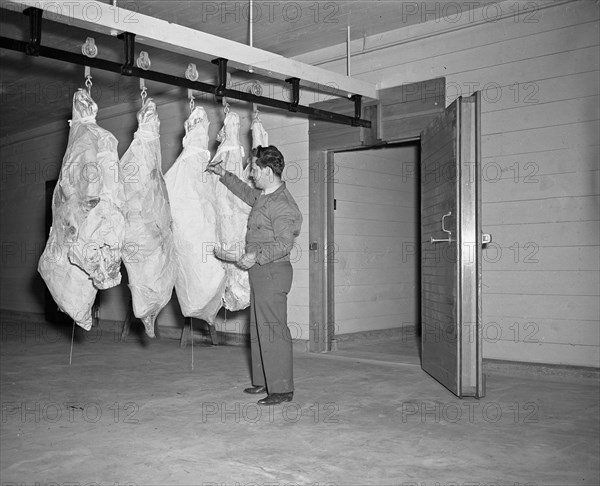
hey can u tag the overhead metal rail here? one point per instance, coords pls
(128, 68)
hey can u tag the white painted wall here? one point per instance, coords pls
(537, 65)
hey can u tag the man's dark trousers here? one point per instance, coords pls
(270, 339)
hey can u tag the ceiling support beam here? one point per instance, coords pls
(107, 19)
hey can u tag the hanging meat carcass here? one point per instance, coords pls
(259, 134)
(148, 252)
(92, 183)
(260, 137)
(83, 248)
(200, 283)
(232, 214)
(70, 287)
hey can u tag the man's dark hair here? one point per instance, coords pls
(269, 157)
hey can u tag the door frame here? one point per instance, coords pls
(398, 116)
(331, 245)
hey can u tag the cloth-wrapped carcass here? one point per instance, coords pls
(200, 283)
(259, 134)
(148, 252)
(83, 249)
(260, 137)
(92, 184)
(232, 213)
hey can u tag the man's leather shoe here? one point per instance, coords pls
(276, 398)
(255, 390)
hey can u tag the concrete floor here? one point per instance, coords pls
(136, 413)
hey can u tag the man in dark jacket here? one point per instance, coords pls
(273, 223)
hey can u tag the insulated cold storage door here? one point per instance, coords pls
(451, 249)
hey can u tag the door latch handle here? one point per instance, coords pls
(486, 238)
(441, 240)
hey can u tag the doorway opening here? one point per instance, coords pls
(374, 231)
(450, 244)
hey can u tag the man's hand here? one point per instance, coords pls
(244, 261)
(247, 261)
(232, 255)
(215, 168)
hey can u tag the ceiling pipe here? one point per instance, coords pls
(348, 70)
(251, 21)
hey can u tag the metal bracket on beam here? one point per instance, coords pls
(129, 38)
(357, 107)
(35, 30)
(221, 76)
(295, 82)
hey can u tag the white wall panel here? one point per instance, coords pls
(540, 124)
